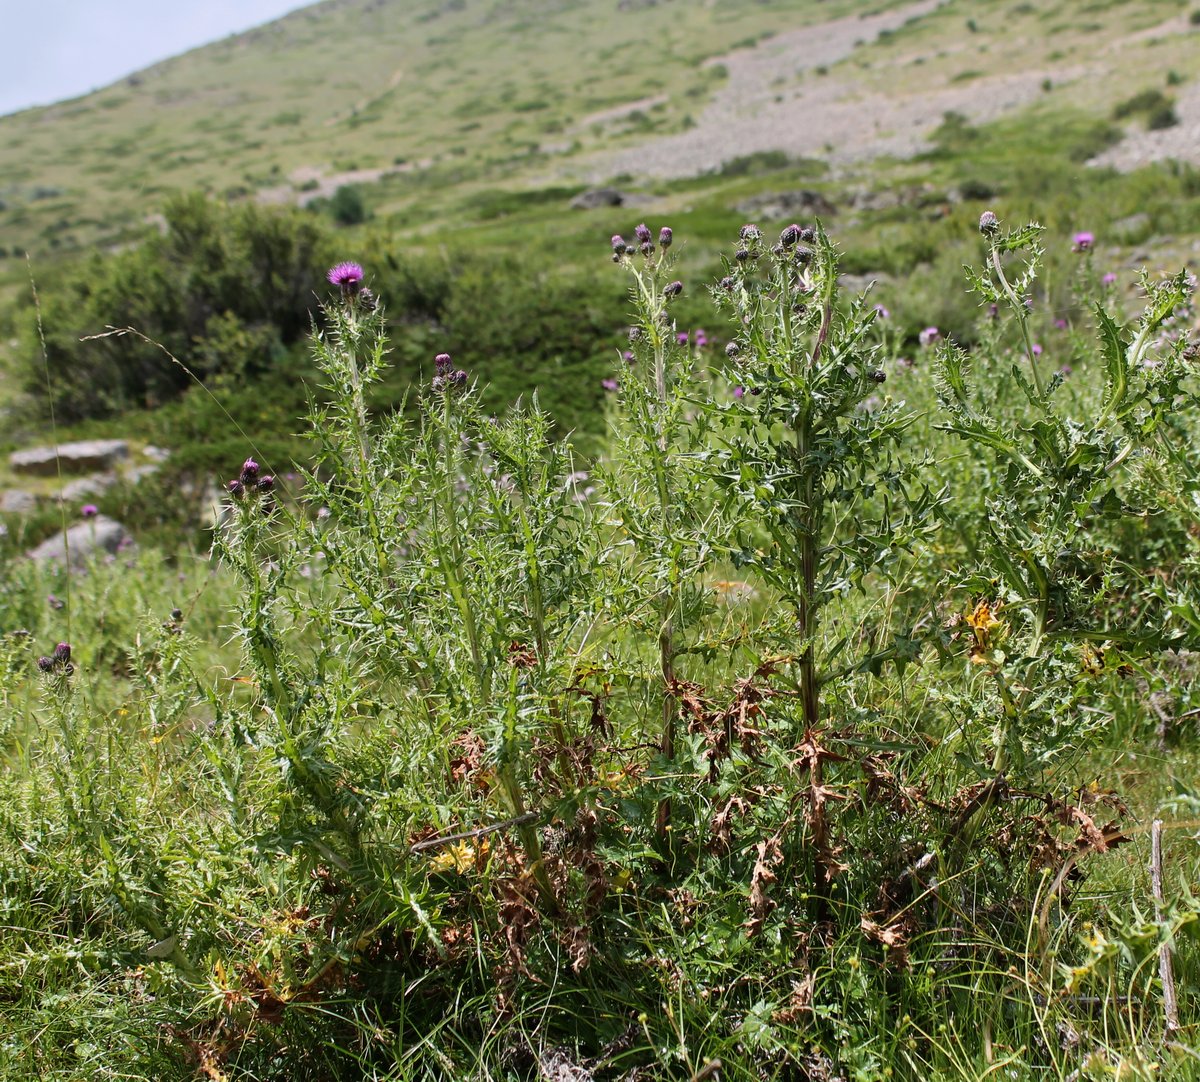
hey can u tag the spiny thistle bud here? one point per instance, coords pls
(62, 653)
(733, 349)
(878, 375)
(46, 664)
(443, 364)
(459, 378)
(803, 256)
(750, 232)
(808, 234)
(727, 284)
(266, 483)
(673, 289)
(236, 488)
(988, 223)
(665, 236)
(177, 615)
(367, 300)
(741, 255)
(642, 232)
(646, 248)
(618, 243)
(249, 472)
(438, 383)
(790, 236)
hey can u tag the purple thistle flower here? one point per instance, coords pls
(881, 312)
(1108, 279)
(750, 232)
(249, 472)
(89, 510)
(1037, 349)
(618, 243)
(701, 339)
(682, 338)
(642, 232)
(665, 236)
(928, 336)
(266, 483)
(46, 664)
(62, 653)
(443, 364)
(1061, 324)
(236, 488)
(609, 384)
(1065, 371)
(738, 391)
(673, 289)
(790, 235)
(346, 276)
(1082, 242)
(988, 222)
(628, 357)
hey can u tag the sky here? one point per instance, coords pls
(55, 49)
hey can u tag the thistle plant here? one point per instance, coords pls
(658, 485)
(1048, 591)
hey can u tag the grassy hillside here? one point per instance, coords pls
(452, 96)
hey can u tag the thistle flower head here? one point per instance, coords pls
(1083, 241)
(618, 243)
(790, 235)
(346, 276)
(928, 336)
(89, 510)
(988, 223)
(665, 236)
(642, 232)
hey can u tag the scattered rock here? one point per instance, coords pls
(82, 487)
(16, 501)
(135, 474)
(775, 206)
(156, 454)
(86, 456)
(919, 195)
(598, 197)
(84, 540)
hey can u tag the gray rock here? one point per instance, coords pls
(82, 487)
(156, 454)
(16, 501)
(139, 473)
(86, 456)
(775, 206)
(598, 197)
(84, 540)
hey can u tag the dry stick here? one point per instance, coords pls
(1165, 972)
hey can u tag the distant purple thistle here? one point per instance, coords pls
(249, 472)
(347, 277)
(701, 339)
(738, 391)
(1061, 324)
(1082, 242)
(89, 510)
(609, 384)
(643, 234)
(1108, 279)
(881, 312)
(1037, 349)
(62, 653)
(682, 338)
(629, 357)
(1065, 371)
(665, 236)
(928, 336)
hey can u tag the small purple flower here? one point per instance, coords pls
(55, 602)
(347, 277)
(682, 338)
(1037, 349)
(89, 510)
(665, 236)
(1061, 324)
(881, 312)
(701, 339)
(609, 384)
(928, 336)
(443, 364)
(1082, 242)
(642, 232)
(988, 222)
(1108, 279)
(62, 653)
(993, 310)
(1065, 371)
(618, 243)
(46, 664)
(236, 488)
(739, 391)
(628, 357)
